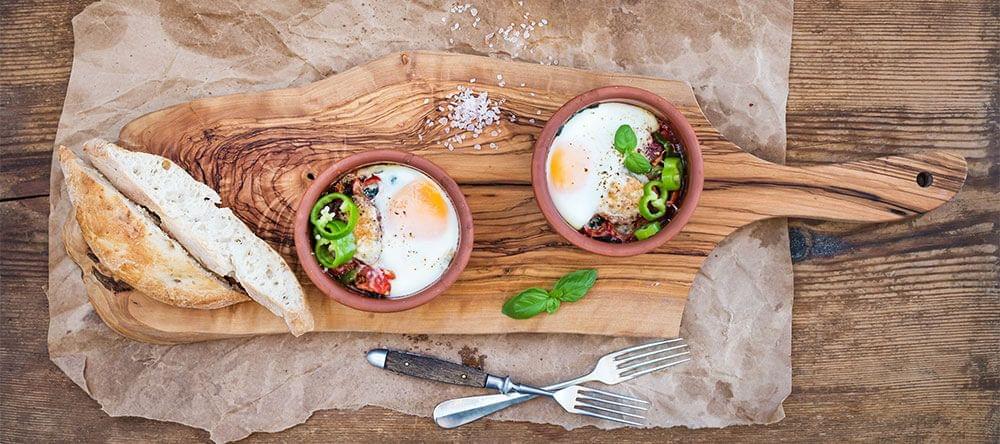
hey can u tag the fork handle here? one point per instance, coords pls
(427, 368)
(460, 411)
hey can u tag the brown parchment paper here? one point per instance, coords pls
(133, 57)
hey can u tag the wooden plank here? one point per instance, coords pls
(36, 53)
(870, 381)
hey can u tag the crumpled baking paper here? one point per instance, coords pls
(133, 57)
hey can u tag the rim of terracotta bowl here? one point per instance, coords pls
(665, 111)
(332, 288)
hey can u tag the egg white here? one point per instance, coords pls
(417, 262)
(591, 132)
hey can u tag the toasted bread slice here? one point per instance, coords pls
(189, 211)
(133, 249)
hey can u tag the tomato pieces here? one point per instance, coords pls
(374, 280)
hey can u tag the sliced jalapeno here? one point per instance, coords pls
(671, 174)
(328, 230)
(332, 253)
(651, 198)
(646, 231)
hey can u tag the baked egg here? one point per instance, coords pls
(585, 173)
(411, 228)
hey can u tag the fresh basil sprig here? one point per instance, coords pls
(569, 288)
(625, 143)
(637, 163)
(625, 139)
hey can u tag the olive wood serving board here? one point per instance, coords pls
(260, 151)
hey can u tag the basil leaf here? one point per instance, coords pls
(551, 305)
(528, 303)
(637, 163)
(574, 286)
(556, 293)
(625, 139)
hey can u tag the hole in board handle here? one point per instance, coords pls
(310, 176)
(925, 179)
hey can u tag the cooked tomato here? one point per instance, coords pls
(374, 280)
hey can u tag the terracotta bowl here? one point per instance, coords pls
(332, 288)
(663, 110)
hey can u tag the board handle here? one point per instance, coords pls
(879, 190)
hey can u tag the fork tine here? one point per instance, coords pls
(660, 367)
(626, 361)
(605, 401)
(652, 361)
(609, 418)
(642, 346)
(611, 395)
(609, 410)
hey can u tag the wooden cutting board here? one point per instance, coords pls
(261, 150)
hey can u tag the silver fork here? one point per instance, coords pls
(595, 403)
(613, 368)
(572, 398)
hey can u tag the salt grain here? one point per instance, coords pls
(471, 112)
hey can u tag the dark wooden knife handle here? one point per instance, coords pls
(434, 369)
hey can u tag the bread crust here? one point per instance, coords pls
(131, 248)
(192, 213)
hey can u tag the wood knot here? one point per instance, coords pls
(404, 58)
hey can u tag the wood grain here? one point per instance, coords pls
(428, 367)
(882, 378)
(260, 150)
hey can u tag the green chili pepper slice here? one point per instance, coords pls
(651, 198)
(336, 252)
(671, 174)
(647, 231)
(334, 231)
(323, 254)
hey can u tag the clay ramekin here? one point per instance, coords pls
(663, 110)
(332, 288)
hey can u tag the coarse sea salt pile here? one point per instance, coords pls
(469, 113)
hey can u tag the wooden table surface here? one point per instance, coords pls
(896, 327)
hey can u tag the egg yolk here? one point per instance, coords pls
(567, 168)
(419, 210)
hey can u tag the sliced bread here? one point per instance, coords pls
(133, 249)
(189, 210)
